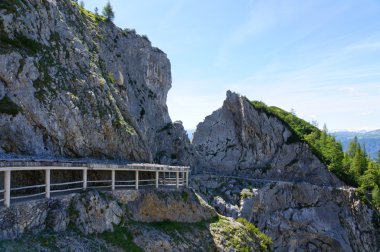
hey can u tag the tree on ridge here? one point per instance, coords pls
(108, 12)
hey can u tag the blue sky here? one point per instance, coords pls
(318, 57)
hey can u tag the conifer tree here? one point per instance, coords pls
(108, 12)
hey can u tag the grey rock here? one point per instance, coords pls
(95, 213)
(84, 89)
(180, 206)
(303, 217)
(225, 208)
(239, 140)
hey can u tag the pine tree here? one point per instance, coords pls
(108, 12)
(96, 11)
(376, 196)
(352, 147)
(81, 4)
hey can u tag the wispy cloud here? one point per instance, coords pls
(373, 44)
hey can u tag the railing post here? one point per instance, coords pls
(187, 179)
(177, 179)
(113, 180)
(156, 179)
(137, 179)
(84, 179)
(47, 183)
(7, 188)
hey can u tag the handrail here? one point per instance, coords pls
(99, 181)
(180, 178)
(27, 196)
(66, 183)
(27, 187)
(67, 190)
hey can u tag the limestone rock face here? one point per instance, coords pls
(94, 213)
(33, 217)
(74, 85)
(239, 140)
(182, 206)
(154, 220)
(298, 216)
(312, 218)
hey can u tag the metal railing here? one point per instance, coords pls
(165, 175)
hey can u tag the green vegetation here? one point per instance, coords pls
(7, 106)
(170, 227)
(10, 5)
(363, 172)
(121, 238)
(322, 144)
(108, 12)
(241, 239)
(111, 78)
(185, 196)
(354, 167)
(93, 17)
(21, 42)
(246, 194)
(265, 241)
(46, 242)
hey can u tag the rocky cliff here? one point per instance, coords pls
(123, 221)
(73, 84)
(263, 173)
(298, 216)
(239, 140)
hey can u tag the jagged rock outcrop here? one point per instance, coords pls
(239, 140)
(304, 217)
(298, 202)
(96, 212)
(73, 84)
(154, 220)
(298, 216)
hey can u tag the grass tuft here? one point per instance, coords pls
(7, 106)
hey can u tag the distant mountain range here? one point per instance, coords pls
(369, 139)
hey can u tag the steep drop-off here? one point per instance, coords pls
(298, 201)
(73, 84)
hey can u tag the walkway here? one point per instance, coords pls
(164, 175)
(260, 182)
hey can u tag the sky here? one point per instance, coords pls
(320, 58)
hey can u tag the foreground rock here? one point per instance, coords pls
(298, 216)
(73, 84)
(239, 140)
(96, 212)
(313, 218)
(123, 221)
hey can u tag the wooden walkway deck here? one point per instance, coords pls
(164, 175)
